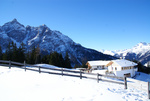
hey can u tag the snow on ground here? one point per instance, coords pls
(18, 85)
(47, 65)
(143, 77)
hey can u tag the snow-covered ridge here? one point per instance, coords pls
(137, 52)
(141, 47)
(108, 52)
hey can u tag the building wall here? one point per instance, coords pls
(99, 67)
(121, 73)
(114, 67)
(93, 67)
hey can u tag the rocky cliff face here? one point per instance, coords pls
(48, 41)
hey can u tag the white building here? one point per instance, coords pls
(118, 67)
(121, 67)
(97, 65)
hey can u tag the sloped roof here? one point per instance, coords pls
(124, 63)
(98, 63)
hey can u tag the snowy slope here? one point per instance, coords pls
(140, 52)
(18, 85)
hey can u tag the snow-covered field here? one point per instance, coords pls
(18, 85)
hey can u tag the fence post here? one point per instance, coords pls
(9, 64)
(97, 78)
(39, 69)
(80, 74)
(25, 65)
(62, 71)
(125, 82)
(148, 90)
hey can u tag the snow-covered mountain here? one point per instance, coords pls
(140, 52)
(48, 41)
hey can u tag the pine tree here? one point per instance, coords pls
(27, 57)
(4, 56)
(84, 65)
(67, 61)
(37, 55)
(1, 53)
(32, 56)
(56, 59)
(8, 51)
(14, 53)
(45, 59)
(140, 66)
(21, 53)
(61, 60)
(53, 58)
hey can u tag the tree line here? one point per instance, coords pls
(34, 56)
(57, 59)
(142, 68)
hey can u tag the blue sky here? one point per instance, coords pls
(96, 24)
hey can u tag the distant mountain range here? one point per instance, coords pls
(140, 52)
(48, 41)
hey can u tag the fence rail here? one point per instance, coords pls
(67, 72)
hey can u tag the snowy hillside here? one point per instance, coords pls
(18, 85)
(140, 52)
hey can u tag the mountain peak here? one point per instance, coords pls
(44, 25)
(14, 20)
(141, 45)
(13, 25)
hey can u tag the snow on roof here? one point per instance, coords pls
(124, 63)
(98, 63)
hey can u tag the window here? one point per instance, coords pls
(115, 68)
(99, 67)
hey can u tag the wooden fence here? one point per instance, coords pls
(66, 72)
(73, 73)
